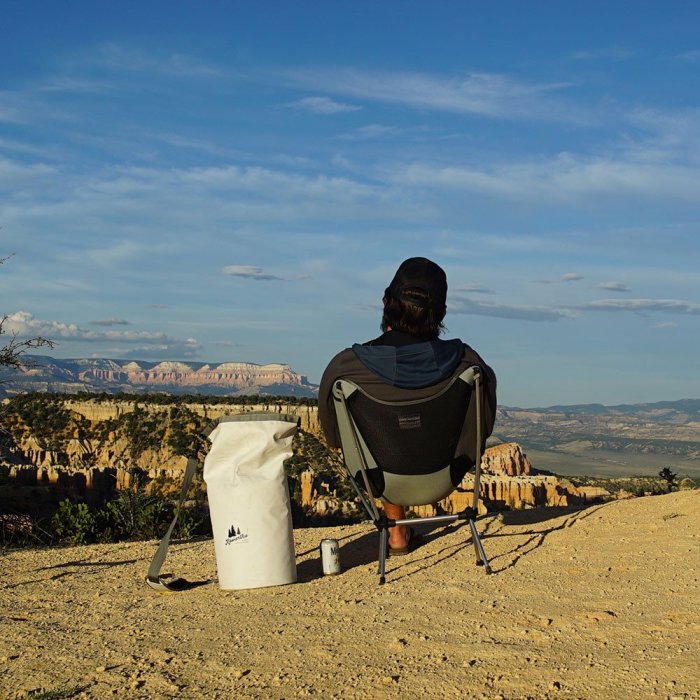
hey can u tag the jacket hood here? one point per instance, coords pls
(412, 366)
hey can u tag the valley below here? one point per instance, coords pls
(608, 442)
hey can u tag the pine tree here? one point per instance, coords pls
(669, 477)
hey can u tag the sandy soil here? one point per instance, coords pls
(596, 603)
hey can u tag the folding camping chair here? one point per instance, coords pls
(412, 452)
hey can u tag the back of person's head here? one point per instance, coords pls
(414, 301)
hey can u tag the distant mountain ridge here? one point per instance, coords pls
(656, 410)
(44, 373)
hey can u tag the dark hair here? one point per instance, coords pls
(420, 320)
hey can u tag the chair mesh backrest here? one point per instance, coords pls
(417, 437)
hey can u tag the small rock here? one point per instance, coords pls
(100, 669)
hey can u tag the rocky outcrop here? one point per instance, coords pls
(507, 459)
(97, 410)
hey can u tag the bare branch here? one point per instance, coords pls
(11, 354)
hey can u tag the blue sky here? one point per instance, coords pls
(238, 181)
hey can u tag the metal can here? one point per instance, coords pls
(330, 557)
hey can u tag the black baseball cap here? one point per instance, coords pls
(421, 275)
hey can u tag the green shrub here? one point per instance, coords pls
(73, 523)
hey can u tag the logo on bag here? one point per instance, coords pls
(235, 535)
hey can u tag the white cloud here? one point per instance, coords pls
(24, 325)
(614, 286)
(323, 105)
(571, 277)
(249, 272)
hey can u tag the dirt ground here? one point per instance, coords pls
(601, 602)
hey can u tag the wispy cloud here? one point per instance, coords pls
(571, 277)
(181, 199)
(613, 286)
(613, 53)
(370, 132)
(119, 57)
(638, 172)
(12, 172)
(249, 272)
(19, 147)
(166, 350)
(69, 84)
(528, 312)
(489, 94)
(110, 322)
(691, 56)
(473, 288)
(323, 105)
(519, 312)
(641, 305)
(225, 344)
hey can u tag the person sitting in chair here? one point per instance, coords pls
(408, 361)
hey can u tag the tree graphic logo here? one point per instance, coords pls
(235, 535)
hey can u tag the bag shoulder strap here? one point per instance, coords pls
(153, 577)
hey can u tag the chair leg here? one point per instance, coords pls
(383, 546)
(481, 559)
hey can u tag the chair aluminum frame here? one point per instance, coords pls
(355, 450)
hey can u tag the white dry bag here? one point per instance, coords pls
(248, 497)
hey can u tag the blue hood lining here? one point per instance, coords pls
(412, 366)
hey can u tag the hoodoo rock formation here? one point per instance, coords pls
(101, 451)
(507, 459)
